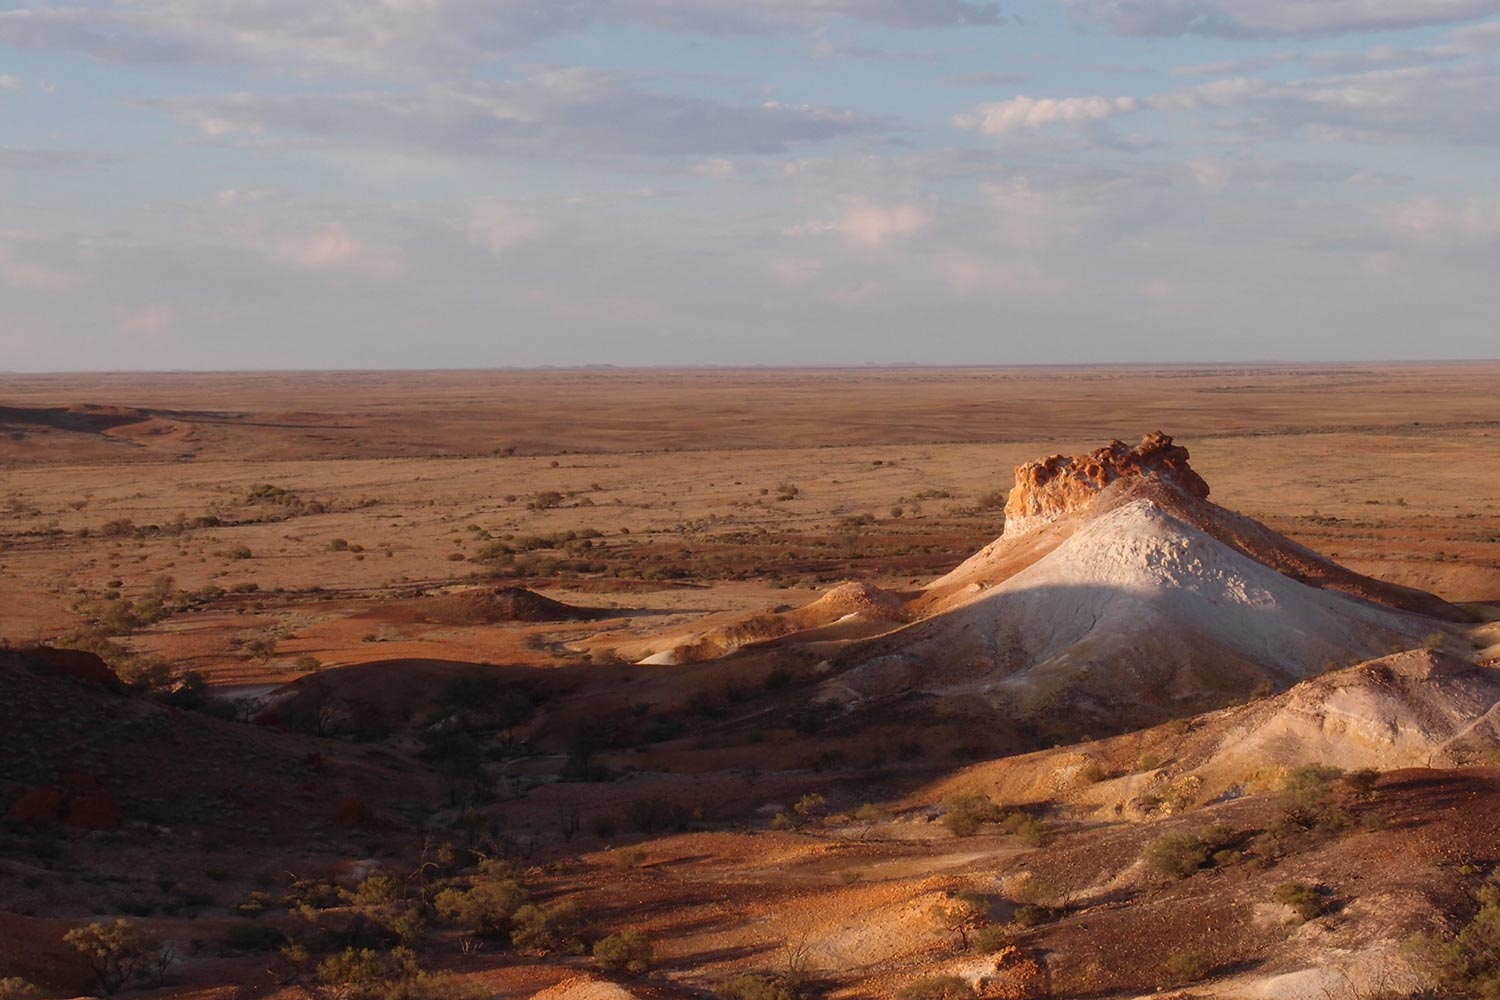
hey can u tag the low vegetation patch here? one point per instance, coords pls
(1305, 900)
(1180, 855)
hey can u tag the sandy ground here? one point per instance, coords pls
(1327, 456)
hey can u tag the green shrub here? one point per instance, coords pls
(378, 889)
(1362, 782)
(991, 500)
(367, 974)
(808, 808)
(991, 938)
(15, 988)
(1031, 915)
(1027, 829)
(1305, 900)
(963, 815)
(1309, 802)
(120, 954)
(544, 930)
(1177, 855)
(484, 909)
(625, 857)
(1466, 963)
(1187, 967)
(628, 951)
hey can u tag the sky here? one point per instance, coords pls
(292, 184)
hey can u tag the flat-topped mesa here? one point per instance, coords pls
(1058, 485)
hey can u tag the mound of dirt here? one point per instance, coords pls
(82, 757)
(73, 663)
(1136, 618)
(848, 611)
(1421, 708)
(500, 606)
(584, 988)
(1057, 496)
(391, 696)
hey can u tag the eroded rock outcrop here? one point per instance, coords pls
(1057, 485)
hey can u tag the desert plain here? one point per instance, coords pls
(654, 653)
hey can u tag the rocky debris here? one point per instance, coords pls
(42, 804)
(73, 663)
(584, 988)
(1057, 485)
(498, 606)
(854, 598)
(82, 803)
(352, 812)
(1016, 976)
(93, 811)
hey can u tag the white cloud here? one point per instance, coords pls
(1272, 18)
(302, 238)
(151, 320)
(570, 113)
(231, 197)
(9, 82)
(987, 79)
(1027, 113)
(1433, 224)
(31, 262)
(1457, 103)
(796, 272)
(331, 246)
(401, 35)
(867, 224)
(971, 275)
(717, 167)
(29, 158)
(1433, 103)
(499, 227)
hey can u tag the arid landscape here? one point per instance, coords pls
(762, 684)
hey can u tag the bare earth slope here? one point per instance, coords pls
(1137, 616)
(1422, 708)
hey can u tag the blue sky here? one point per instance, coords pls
(207, 184)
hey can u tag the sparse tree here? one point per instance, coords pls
(120, 953)
(962, 915)
(15, 988)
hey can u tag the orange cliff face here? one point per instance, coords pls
(1048, 489)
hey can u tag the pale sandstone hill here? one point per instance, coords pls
(1138, 616)
(1422, 708)
(1056, 496)
(1118, 596)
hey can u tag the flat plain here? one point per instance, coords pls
(1393, 470)
(331, 594)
